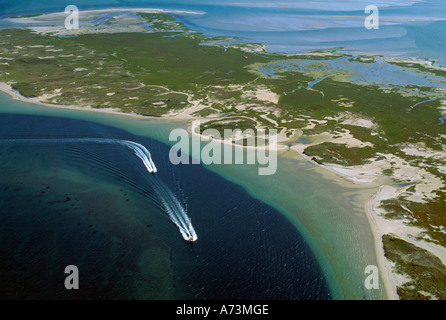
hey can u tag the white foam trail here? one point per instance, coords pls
(139, 149)
(173, 207)
(142, 153)
(176, 212)
(185, 221)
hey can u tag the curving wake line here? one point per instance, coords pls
(172, 206)
(175, 211)
(139, 149)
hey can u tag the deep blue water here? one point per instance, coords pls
(94, 206)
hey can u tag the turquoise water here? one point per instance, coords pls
(96, 206)
(312, 204)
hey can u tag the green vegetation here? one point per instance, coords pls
(430, 215)
(161, 22)
(363, 59)
(427, 272)
(328, 152)
(388, 172)
(420, 68)
(228, 123)
(134, 72)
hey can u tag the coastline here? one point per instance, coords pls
(283, 151)
(388, 278)
(6, 88)
(62, 15)
(369, 181)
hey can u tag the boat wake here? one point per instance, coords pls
(175, 211)
(170, 203)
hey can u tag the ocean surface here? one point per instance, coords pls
(67, 201)
(407, 28)
(295, 235)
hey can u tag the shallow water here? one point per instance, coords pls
(94, 206)
(328, 216)
(296, 26)
(380, 73)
